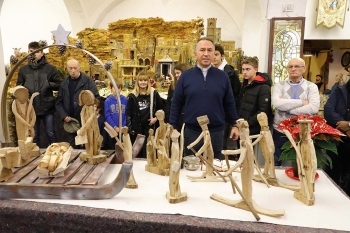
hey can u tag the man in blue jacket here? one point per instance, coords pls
(337, 115)
(67, 104)
(204, 90)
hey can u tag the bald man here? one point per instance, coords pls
(292, 97)
(67, 104)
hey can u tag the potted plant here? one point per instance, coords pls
(323, 137)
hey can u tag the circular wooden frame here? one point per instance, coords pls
(345, 59)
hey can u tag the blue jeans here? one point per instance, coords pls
(49, 126)
(216, 141)
(279, 139)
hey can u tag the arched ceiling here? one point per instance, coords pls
(90, 13)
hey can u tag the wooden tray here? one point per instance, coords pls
(80, 181)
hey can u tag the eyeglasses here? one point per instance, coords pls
(295, 67)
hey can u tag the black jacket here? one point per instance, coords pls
(234, 79)
(255, 98)
(63, 99)
(41, 77)
(133, 119)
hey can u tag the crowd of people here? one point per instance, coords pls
(211, 88)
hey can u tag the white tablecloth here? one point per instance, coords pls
(331, 209)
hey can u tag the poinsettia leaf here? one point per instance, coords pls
(323, 158)
(288, 155)
(327, 145)
(286, 145)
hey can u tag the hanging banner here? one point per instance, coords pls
(331, 12)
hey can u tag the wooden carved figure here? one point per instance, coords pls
(163, 161)
(151, 151)
(246, 159)
(161, 130)
(89, 133)
(175, 195)
(128, 157)
(25, 119)
(307, 163)
(207, 150)
(268, 148)
(24, 112)
(55, 160)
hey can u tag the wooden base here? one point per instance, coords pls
(303, 199)
(96, 159)
(242, 205)
(275, 182)
(205, 178)
(157, 170)
(174, 200)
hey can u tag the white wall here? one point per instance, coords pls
(31, 20)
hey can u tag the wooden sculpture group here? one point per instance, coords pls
(158, 153)
(162, 160)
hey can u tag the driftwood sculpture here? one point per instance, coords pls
(151, 150)
(55, 160)
(207, 150)
(128, 157)
(24, 112)
(268, 148)
(247, 161)
(307, 163)
(161, 165)
(175, 195)
(89, 133)
(25, 119)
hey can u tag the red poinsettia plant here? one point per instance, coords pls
(323, 136)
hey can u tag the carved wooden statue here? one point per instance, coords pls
(268, 148)
(207, 149)
(89, 133)
(24, 112)
(151, 150)
(128, 157)
(175, 195)
(307, 163)
(247, 161)
(162, 164)
(55, 160)
(25, 119)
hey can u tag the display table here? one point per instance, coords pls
(147, 210)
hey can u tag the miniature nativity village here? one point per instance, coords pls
(117, 55)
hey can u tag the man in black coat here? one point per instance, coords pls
(255, 95)
(67, 104)
(220, 63)
(40, 76)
